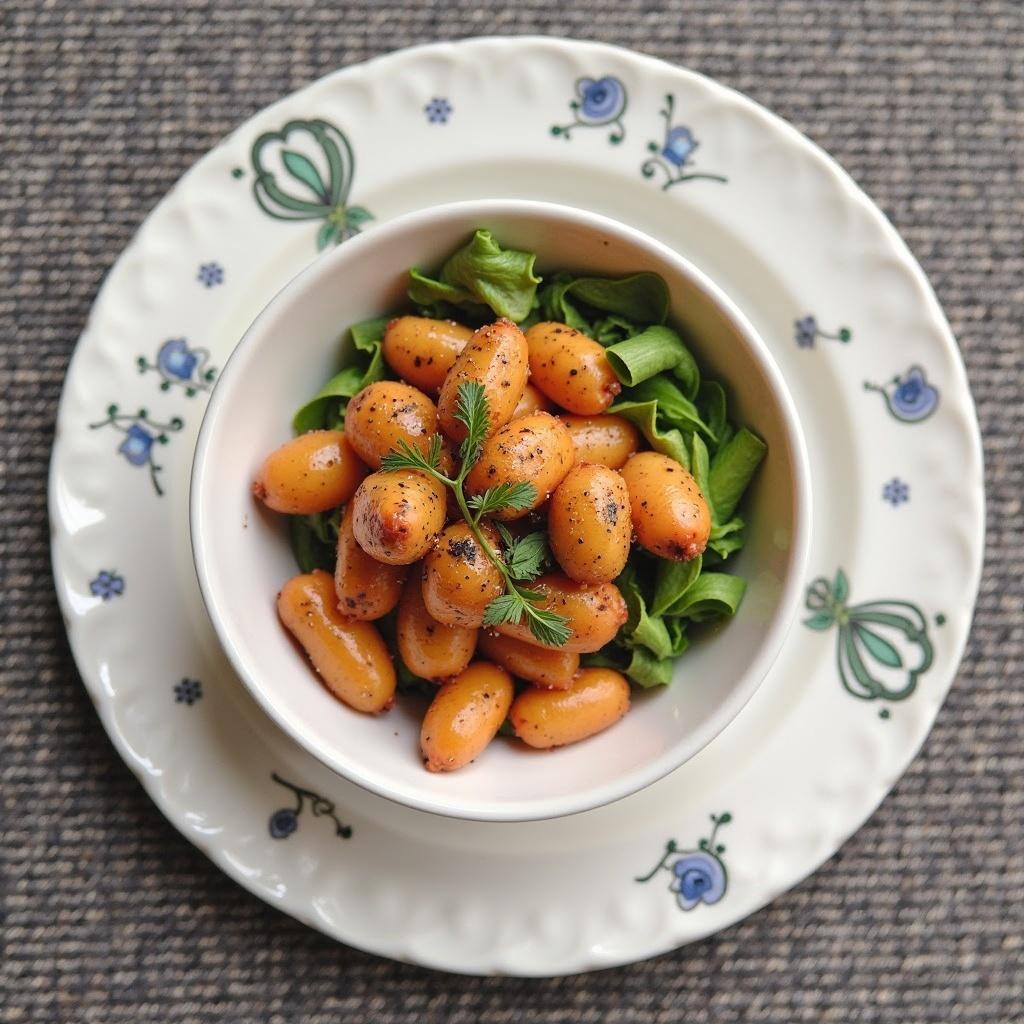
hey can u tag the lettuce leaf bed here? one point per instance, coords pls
(663, 394)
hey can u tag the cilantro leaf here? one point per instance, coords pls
(405, 456)
(472, 412)
(505, 496)
(525, 557)
(507, 608)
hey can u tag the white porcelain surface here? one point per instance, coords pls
(787, 236)
(243, 556)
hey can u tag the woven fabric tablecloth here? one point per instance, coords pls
(111, 916)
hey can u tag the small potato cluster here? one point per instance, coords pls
(405, 548)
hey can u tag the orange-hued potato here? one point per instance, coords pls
(594, 612)
(350, 657)
(310, 473)
(608, 440)
(533, 400)
(496, 357)
(597, 699)
(465, 716)
(589, 524)
(535, 449)
(430, 648)
(422, 351)
(571, 369)
(397, 515)
(366, 589)
(670, 516)
(544, 666)
(459, 580)
(386, 412)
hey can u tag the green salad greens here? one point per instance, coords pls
(663, 394)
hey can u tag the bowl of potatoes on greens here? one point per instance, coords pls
(501, 510)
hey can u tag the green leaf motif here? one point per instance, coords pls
(840, 587)
(302, 168)
(879, 648)
(820, 621)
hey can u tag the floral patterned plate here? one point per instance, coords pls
(895, 459)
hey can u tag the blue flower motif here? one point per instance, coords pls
(107, 585)
(698, 877)
(679, 146)
(806, 331)
(210, 274)
(137, 445)
(601, 100)
(896, 492)
(188, 691)
(914, 398)
(283, 823)
(175, 359)
(438, 110)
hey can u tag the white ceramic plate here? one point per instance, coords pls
(895, 461)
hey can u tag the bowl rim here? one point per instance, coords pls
(779, 625)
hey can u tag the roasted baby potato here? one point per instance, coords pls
(543, 666)
(608, 440)
(465, 716)
(397, 515)
(384, 413)
(594, 613)
(589, 524)
(459, 580)
(571, 369)
(366, 589)
(350, 657)
(313, 472)
(430, 648)
(597, 698)
(533, 449)
(670, 516)
(496, 357)
(533, 400)
(422, 351)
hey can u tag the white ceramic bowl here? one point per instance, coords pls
(242, 555)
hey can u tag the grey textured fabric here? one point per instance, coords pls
(109, 915)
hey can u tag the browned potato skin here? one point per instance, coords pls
(313, 472)
(422, 351)
(535, 449)
(497, 358)
(571, 369)
(459, 580)
(366, 589)
(589, 524)
(533, 400)
(465, 716)
(397, 515)
(597, 699)
(608, 440)
(670, 516)
(350, 657)
(595, 613)
(430, 648)
(549, 667)
(386, 412)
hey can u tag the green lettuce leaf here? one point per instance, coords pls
(733, 468)
(314, 540)
(644, 415)
(645, 355)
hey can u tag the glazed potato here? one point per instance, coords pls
(589, 524)
(465, 716)
(350, 657)
(544, 666)
(366, 589)
(533, 400)
(384, 413)
(397, 515)
(496, 357)
(598, 698)
(670, 515)
(459, 580)
(571, 369)
(313, 472)
(595, 613)
(535, 448)
(422, 351)
(430, 648)
(607, 440)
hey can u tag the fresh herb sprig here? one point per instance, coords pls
(524, 556)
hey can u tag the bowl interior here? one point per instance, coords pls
(243, 557)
